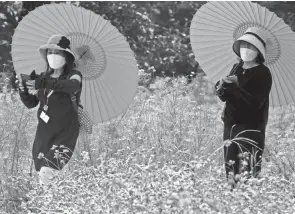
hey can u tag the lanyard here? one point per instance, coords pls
(45, 107)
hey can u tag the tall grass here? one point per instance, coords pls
(163, 155)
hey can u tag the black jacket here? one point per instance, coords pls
(248, 102)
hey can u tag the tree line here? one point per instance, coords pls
(158, 32)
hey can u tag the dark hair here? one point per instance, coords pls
(70, 64)
(259, 59)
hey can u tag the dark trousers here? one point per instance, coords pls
(237, 154)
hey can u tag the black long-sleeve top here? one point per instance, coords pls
(29, 100)
(248, 102)
(61, 87)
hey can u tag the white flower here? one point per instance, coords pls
(227, 143)
(41, 155)
(85, 156)
(244, 163)
(53, 147)
(231, 162)
(57, 155)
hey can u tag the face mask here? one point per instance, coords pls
(247, 54)
(56, 61)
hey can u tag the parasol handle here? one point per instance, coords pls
(234, 71)
(82, 55)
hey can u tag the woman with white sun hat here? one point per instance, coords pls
(246, 95)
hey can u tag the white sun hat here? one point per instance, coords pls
(255, 36)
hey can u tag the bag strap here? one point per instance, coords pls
(74, 102)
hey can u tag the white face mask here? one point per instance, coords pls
(56, 61)
(247, 54)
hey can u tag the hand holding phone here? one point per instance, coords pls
(21, 86)
(30, 84)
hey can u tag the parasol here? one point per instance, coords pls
(103, 55)
(216, 26)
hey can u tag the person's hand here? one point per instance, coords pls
(218, 88)
(219, 83)
(33, 91)
(31, 84)
(20, 84)
(231, 79)
(31, 87)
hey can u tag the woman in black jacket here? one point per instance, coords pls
(246, 95)
(58, 126)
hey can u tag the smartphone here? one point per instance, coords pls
(25, 77)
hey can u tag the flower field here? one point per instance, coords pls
(164, 155)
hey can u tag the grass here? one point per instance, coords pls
(163, 156)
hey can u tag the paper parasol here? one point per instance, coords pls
(104, 56)
(216, 26)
